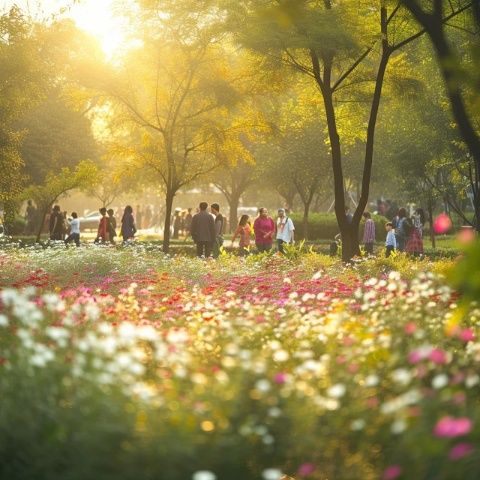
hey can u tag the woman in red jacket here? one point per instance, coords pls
(102, 234)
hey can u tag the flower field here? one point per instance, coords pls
(126, 364)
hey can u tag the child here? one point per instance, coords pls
(391, 241)
(243, 231)
(74, 230)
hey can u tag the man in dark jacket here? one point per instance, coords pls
(203, 231)
(56, 225)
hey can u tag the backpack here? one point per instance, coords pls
(407, 226)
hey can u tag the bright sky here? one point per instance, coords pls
(94, 16)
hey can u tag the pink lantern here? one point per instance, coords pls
(442, 224)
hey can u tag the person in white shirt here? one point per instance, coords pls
(74, 230)
(391, 241)
(285, 229)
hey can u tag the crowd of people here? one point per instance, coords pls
(207, 230)
(67, 229)
(404, 233)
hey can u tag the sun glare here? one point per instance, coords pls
(97, 18)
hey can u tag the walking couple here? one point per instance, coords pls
(207, 230)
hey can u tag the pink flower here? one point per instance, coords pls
(442, 224)
(466, 335)
(280, 378)
(466, 235)
(392, 472)
(415, 357)
(410, 328)
(449, 427)
(460, 450)
(306, 469)
(438, 356)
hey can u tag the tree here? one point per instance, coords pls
(55, 135)
(325, 41)
(233, 180)
(35, 60)
(456, 81)
(60, 183)
(297, 160)
(171, 95)
(17, 86)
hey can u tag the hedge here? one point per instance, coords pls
(324, 226)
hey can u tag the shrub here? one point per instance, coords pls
(324, 226)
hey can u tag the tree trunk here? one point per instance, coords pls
(169, 196)
(369, 148)
(434, 26)
(350, 242)
(351, 249)
(430, 220)
(42, 222)
(9, 216)
(233, 202)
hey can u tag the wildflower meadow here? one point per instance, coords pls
(124, 363)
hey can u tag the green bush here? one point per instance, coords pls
(324, 226)
(17, 227)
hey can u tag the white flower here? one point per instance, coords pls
(274, 412)
(106, 328)
(398, 426)
(358, 424)
(336, 391)
(402, 376)
(38, 360)
(127, 330)
(268, 439)
(372, 380)
(281, 356)
(472, 380)
(272, 474)
(440, 381)
(177, 336)
(56, 333)
(3, 321)
(263, 385)
(204, 475)
(317, 276)
(274, 345)
(147, 332)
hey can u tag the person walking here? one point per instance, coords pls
(177, 223)
(128, 229)
(244, 232)
(74, 235)
(102, 233)
(368, 233)
(400, 233)
(30, 218)
(391, 241)
(188, 222)
(219, 227)
(419, 220)
(203, 231)
(112, 225)
(264, 228)
(285, 230)
(414, 242)
(56, 226)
